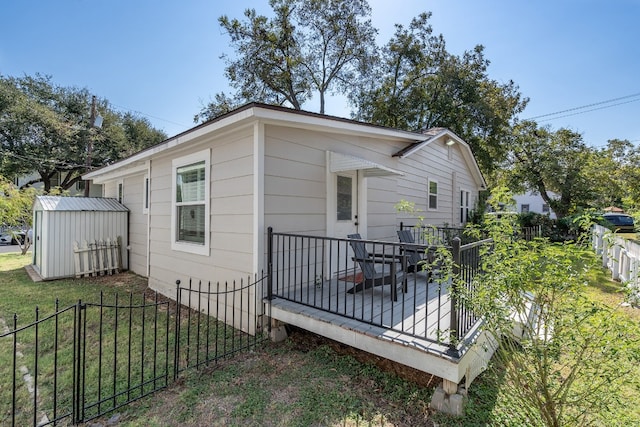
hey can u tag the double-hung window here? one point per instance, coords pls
(464, 206)
(432, 202)
(190, 203)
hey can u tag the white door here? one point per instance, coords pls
(346, 197)
(344, 219)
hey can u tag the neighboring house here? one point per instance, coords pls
(533, 202)
(200, 202)
(76, 190)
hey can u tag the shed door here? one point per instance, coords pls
(37, 240)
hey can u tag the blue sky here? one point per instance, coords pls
(160, 58)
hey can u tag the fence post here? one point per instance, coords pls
(455, 274)
(176, 343)
(77, 364)
(270, 263)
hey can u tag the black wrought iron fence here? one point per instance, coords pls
(425, 234)
(466, 266)
(88, 359)
(330, 275)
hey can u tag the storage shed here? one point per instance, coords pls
(58, 222)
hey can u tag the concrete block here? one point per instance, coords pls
(452, 404)
(278, 333)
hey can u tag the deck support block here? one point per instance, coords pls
(448, 398)
(278, 331)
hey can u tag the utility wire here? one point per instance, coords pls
(582, 112)
(587, 106)
(147, 115)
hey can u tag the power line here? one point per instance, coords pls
(587, 106)
(585, 111)
(148, 115)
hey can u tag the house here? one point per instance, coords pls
(533, 202)
(76, 190)
(200, 203)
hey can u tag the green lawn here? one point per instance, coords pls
(304, 381)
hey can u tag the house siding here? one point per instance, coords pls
(446, 166)
(133, 198)
(296, 173)
(231, 213)
(294, 181)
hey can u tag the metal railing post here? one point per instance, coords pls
(270, 263)
(455, 276)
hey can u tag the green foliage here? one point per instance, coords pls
(309, 47)
(565, 357)
(15, 205)
(47, 129)
(417, 85)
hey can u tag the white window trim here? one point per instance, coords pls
(429, 181)
(190, 247)
(146, 194)
(467, 208)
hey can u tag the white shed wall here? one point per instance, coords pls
(61, 228)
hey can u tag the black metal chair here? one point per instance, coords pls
(371, 277)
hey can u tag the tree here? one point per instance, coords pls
(615, 174)
(45, 128)
(16, 208)
(574, 354)
(418, 85)
(309, 46)
(554, 164)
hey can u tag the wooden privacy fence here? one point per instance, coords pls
(97, 257)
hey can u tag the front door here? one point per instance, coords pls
(346, 197)
(344, 217)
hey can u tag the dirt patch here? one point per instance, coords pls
(304, 341)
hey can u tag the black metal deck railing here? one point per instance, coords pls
(324, 273)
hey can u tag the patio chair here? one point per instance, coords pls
(417, 260)
(388, 274)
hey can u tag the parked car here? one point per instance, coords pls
(12, 237)
(619, 222)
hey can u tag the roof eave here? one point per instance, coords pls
(266, 114)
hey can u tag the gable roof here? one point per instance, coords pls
(272, 114)
(450, 138)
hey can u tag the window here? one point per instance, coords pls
(344, 198)
(433, 195)
(464, 206)
(120, 191)
(190, 203)
(145, 195)
(524, 208)
(545, 208)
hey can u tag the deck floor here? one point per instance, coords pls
(420, 317)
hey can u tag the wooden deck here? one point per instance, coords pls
(412, 330)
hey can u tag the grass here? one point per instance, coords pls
(302, 382)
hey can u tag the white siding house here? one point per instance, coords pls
(533, 202)
(202, 201)
(270, 166)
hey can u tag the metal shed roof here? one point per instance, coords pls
(59, 203)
